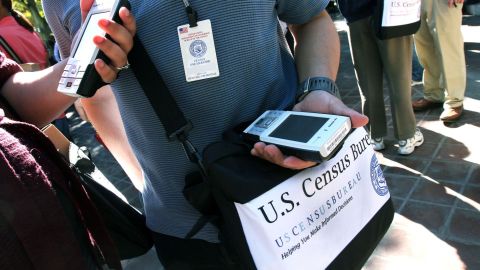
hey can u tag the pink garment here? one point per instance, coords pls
(27, 45)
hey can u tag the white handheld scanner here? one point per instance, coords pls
(80, 78)
(310, 136)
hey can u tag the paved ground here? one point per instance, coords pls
(436, 190)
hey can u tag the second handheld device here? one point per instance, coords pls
(310, 136)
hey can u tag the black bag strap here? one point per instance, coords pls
(163, 103)
(168, 112)
(166, 108)
(10, 51)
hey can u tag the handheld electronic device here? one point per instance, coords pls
(309, 136)
(80, 78)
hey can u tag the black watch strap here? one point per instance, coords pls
(317, 83)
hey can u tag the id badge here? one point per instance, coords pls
(198, 51)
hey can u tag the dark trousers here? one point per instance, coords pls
(179, 254)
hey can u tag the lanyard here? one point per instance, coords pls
(191, 14)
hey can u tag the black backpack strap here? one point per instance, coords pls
(10, 51)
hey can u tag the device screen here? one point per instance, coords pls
(86, 47)
(298, 128)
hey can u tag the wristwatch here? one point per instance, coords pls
(317, 83)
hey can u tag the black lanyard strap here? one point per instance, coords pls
(191, 14)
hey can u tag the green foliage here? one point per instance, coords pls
(23, 7)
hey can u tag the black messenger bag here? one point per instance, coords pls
(330, 216)
(393, 18)
(236, 178)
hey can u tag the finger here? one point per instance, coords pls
(272, 154)
(257, 149)
(295, 163)
(128, 20)
(85, 6)
(105, 71)
(291, 162)
(119, 34)
(116, 55)
(260, 150)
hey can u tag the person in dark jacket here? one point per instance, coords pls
(372, 58)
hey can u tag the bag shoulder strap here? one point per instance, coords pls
(165, 106)
(10, 51)
(8, 110)
(168, 112)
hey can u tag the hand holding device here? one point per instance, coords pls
(310, 136)
(80, 78)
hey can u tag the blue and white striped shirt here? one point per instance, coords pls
(257, 72)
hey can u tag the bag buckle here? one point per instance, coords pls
(181, 133)
(193, 155)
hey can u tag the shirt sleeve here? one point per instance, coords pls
(64, 18)
(7, 68)
(299, 11)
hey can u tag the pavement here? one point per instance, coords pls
(435, 190)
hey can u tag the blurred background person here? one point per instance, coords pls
(101, 110)
(18, 34)
(23, 45)
(439, 44)
(372, 58)
(417, 69)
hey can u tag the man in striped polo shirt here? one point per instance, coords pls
(252, 70)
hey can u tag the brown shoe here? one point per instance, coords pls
(425, 104)
(451, 114)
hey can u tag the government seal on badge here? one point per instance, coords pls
(376, 176)
(198, 48)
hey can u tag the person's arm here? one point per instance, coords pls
(34, 95)
(102, 111)
(108, 123)
(317, 53)
(317, 48)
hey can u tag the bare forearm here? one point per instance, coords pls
(34, 95)
(102, 111)
(317, 48)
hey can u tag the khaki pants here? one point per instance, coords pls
(372, 58)
(439, 44)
